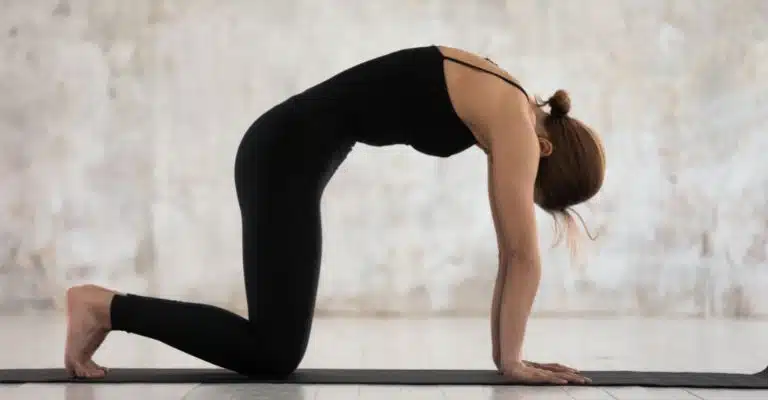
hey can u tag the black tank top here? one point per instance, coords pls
(398, 98)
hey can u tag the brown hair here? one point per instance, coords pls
(575, 170)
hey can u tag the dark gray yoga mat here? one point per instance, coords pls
(391, 377)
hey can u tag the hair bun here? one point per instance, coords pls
(560, 103)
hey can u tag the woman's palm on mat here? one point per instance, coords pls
(531, 372)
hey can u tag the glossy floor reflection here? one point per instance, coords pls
(729, 346)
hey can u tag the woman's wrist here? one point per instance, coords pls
(510, 364)
(510, 358)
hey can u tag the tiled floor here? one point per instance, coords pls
(30, 342)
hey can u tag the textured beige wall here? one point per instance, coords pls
(119, 121)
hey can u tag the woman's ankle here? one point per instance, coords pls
(97, 299)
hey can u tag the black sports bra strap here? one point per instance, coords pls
(475, 67)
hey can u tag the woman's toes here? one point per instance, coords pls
(91, 372)
(92, 364)
(97, 373)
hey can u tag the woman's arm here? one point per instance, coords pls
(514, 156)
(500, 274)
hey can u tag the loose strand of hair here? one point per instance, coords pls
(565, 228)
(558, 231)
(584, 225)
(572, 235)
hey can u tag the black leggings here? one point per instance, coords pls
(282, 167)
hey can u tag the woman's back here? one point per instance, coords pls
(399, 98)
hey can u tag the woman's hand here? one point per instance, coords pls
(554, 367)
(526, 372)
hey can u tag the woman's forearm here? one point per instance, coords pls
(520, 284)
(498, 287)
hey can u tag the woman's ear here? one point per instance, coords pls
(545, 147)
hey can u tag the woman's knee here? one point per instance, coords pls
(278, 357)
(286, 365)
(278, 366)
(289, 353)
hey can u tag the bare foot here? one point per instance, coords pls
(87, 327)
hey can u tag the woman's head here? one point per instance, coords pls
(572, 166)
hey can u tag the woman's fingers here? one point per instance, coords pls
(566, 377)
(572, 373)
(543, 376)
(528, 373)
(555, 367)
(573, 378)
(560, 368)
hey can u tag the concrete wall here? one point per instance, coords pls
(119, 123)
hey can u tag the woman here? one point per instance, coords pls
(438, 100)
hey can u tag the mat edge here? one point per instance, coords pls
(215, 370)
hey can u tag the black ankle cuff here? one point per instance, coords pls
(120, 312)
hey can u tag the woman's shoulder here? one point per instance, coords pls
(482, 61)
